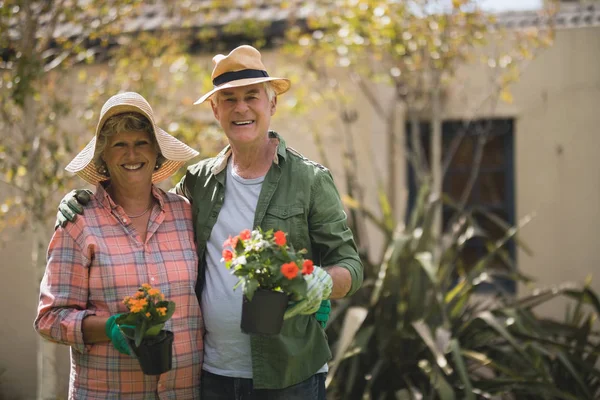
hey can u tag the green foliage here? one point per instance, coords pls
(148, 312)
(265, 260)
(427, 334)
(41, 41)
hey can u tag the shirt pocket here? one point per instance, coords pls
(289, 219)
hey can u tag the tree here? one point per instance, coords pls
(403, 57)
(44, 46)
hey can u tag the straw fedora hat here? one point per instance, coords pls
(242, 67)
(175, 151)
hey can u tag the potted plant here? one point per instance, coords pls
(143, 327)
(271, 273)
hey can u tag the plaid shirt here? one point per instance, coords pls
(97, 261)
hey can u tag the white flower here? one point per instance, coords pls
(262, 244)
(241, 260)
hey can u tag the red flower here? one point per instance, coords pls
(308, 267)
(231, 241)
(290, 270)
(227, 255)
(245, 234)
(280, 238)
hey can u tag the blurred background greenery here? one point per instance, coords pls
(438, 316)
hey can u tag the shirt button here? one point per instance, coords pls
(285, 213)
(152, 279)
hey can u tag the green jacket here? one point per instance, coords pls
(298, 197)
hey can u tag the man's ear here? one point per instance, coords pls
(273, 105)
(214, 108)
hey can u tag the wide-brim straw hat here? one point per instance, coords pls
(175, 152)
(242, 67)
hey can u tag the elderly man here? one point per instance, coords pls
(258, 181)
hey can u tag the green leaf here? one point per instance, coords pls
(140, 330)
(438, 381)
(462, 369)
(425, 333)
(250, 286)
(154, 330)
(425, 259)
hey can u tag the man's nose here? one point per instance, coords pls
(241, 106)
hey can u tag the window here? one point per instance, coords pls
(493, 189)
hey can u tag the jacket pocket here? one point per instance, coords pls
(289, 219)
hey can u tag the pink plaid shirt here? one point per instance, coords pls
(97, 261)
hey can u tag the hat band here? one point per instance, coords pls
(235, 75)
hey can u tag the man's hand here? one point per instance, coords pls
(319, 285)
(115, 335)
(71, 205)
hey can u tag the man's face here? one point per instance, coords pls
(244, 113)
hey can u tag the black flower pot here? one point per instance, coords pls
(264, 314)
(155, 354)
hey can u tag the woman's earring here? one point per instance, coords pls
(157, 166)
(102, 170)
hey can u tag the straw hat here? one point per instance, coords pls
(242, 67)
(175, 151)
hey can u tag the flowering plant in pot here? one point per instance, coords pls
(271, 272)
(143, 327)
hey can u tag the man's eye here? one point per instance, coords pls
(119, 144)
(230, 100)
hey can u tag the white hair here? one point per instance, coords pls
(268, 89)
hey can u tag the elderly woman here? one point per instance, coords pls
(132, 233)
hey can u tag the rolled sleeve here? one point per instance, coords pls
(329, 231)
(64, 293)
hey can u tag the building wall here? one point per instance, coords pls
(556, 169)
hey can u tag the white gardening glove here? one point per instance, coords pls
(318, 288)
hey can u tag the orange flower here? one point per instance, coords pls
(280, 238)
(140, 295)
(307, 267)
(148, 314)
(290, 270)
(231, 241)
(162, 311)
(136, 306)
(245, 234)
(227, 255)
(153, 292)
(146, 286)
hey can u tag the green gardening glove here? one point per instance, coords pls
(318, 287)
(71, 205)
(322, 314)
(116, 336)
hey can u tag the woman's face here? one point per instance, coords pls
(130, 158)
